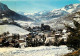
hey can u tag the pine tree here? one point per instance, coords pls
(73, 40)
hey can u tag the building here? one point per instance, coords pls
(45, 27)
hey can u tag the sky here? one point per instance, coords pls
(32, 6)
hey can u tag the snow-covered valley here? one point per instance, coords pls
(35, 51)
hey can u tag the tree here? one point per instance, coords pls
(73, 40)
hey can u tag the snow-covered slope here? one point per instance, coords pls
(12, 29)
(35, 51)
(47, 15)
(71, 8)
(24, 23)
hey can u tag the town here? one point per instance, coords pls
(38, 36)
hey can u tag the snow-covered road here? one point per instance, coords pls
(35, 51)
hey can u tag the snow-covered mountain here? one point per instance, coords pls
(71, 8)
(6, 12)
(55, 18)
(47, 15)
(57, 13)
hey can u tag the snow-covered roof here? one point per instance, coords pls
(64, 30)
(57, 34)
(41, 33)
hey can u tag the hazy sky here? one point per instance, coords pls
(31, 6)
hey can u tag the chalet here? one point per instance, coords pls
(64, 31)
(57, 35)
(49, 41)
(22, 42)
(41, 33)
(76, 16)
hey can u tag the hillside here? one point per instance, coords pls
(13, 29)
(8, 13)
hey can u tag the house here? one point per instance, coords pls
(50, 41)
(64, 31)
(57, 35)
(22, 42)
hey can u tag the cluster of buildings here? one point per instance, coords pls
(38, 36)
(6, 21)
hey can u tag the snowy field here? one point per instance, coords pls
(12, 29)
(35, 51)
(25, 23)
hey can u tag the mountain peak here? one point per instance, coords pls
(71, 8)
(3, 8)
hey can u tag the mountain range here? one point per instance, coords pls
(54, 18)
(47, 15)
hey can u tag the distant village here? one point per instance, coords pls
(38, 36)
